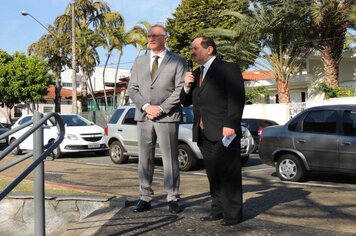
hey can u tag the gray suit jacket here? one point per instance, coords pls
(163, 90)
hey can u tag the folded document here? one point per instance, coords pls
(227, 140)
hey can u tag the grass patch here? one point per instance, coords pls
(27, 187)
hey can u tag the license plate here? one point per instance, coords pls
(2, 140)
(94, 145)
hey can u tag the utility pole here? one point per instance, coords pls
(74, 65)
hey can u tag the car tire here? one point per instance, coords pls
(186, 158)
(16, 150)
(244, 160)
(117, 153)
(56, 153)
(290, 168)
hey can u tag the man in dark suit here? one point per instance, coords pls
(218, 97)
(155, 84)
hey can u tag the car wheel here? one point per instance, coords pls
(186, 158)
(117, 153)
(56, 153)
(290, 168)
(16, 150)
(244, 159)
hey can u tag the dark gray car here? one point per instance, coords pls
(317, 139)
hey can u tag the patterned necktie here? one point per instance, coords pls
(154, 67)
(201, 75)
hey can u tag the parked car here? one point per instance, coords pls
(6, 125)
(320, 138)
(3, 142)
(81, 135)
(255, 127)
(121, 138)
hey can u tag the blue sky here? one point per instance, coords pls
(18, 32)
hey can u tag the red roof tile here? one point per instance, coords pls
(64, 93)
(258, 75)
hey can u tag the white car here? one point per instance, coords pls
(121, 138)
(81, 135)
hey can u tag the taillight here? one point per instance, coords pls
(259, 131)
(106, 131)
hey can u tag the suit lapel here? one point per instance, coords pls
(208, 75)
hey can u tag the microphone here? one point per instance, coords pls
(190, 68)
(190, 65)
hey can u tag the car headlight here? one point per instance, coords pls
(71, 137)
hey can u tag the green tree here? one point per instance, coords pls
(26, 80)
(54, 47)
(30, 79)
(6, 95)
(330, 20)
(89, 15)
(193, 16)
(112, 34)
(138, 35)
(282, 32)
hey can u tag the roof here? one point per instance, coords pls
(64, 93)
(258, 75)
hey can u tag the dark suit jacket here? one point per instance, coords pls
(220, 100)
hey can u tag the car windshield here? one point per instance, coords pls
(74, 120)
(187, 115)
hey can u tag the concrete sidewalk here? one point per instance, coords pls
(270, 208)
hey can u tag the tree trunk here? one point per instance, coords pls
(57, 94)
(283, 90)
(106, 64)
(84, 97)
(331, 67)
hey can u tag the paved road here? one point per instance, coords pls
(325, 205)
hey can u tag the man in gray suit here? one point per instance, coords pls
(155, 84)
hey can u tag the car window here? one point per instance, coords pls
(293, 124)
(320, 122)
(74, 120)
(187, 115)
(349, 123)
(25, 119)
(116, 116)
(129, 118)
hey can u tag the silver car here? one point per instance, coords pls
(320, 138)
(121, 138)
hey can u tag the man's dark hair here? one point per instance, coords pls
(206, 42)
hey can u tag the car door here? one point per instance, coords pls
(347, 142)
(318, 140)
(128, 131)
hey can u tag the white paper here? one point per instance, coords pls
(227, 140)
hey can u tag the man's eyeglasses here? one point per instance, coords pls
(155, 35)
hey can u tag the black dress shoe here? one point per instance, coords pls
(174, 208)
(212, 217)
(229, 222)
(142, 206)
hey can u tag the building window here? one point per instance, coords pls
(303, 96)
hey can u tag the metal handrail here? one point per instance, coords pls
(37, 164)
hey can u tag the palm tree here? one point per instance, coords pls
(89, 15)
(282, 33)
(138, 36)
(330, 20)
(111, 32)
(55, 48)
